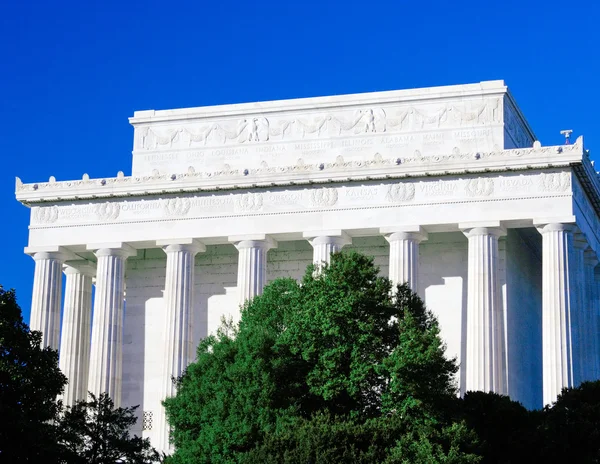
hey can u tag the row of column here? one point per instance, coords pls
(569, 329)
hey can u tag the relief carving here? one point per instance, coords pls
(325, 196)
(249, 201)
(481, 186)
(45, 214)
(107, 211)
(555, 182)
(177, 206)
(401, 192)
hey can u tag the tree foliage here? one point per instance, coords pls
(336, 368)
(95, 432)
(34, 427)
(30, 382)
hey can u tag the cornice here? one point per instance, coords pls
(375, 168)
(306, 104)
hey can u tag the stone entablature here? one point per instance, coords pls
(376, 167)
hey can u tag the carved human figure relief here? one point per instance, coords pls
(324, 196)
(402, 191)
(479, 186)
(107, 211)
(254, 130)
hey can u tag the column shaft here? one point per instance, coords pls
(557, 301)
(75, 340)
(177, 338)
(252, 268)
(107, 328)
(485, 369)
(404, 258)
(578, 310)
(590, 320)
(45, 301)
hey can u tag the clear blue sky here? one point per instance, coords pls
(72, 72)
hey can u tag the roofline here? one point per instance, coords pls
(496, 87)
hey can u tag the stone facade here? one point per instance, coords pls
(446, 187)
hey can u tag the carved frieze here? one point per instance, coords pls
(384, 193)
(479, 186)
(108, 211)
(249, 202)
(177, 206)
(400, 192)
(324, 196)
(555, 181)
(367, 120)
(45, 214)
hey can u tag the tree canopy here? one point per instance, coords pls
(336, 368)
(95, 432)
(30, 381)
(34, 426)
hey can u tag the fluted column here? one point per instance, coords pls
(404, 255)
(590, 316)
(578, 310)
(325, 243)
(75, 341)
(558, 295)
(252, 265)
(46, 298)
(107, 326)
(596, 322)
(177, 334)
(485, 368)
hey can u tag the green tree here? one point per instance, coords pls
(570, 429)
(95, 432)
(337, 368)
(30, 382)
(507, 431)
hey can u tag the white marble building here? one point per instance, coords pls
(446, 187)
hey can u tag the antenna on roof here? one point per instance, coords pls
(567, 133)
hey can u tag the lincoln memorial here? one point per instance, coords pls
(446, 187)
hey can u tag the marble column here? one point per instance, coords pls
(107, 326)
(252, 265)
(590, 316)
(485, 367)
(578, 310)
(557, 301)
(596, 322)
(325, 243)
(177, 331)
(46, 298)
(404, 255)
(75, 341)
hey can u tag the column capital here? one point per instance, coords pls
(547, 227)
(112, 249)
(554, 222)
(50, 252)
(404, 233)
(473, 229)
(335, 236)
(252, 241)
(186, 244)
(80, 266)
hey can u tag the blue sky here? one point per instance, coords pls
(72, 72)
